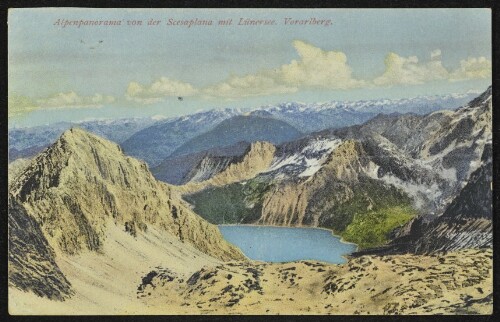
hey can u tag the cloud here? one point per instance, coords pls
(158, 90)
(409, 71)
(73, 100)
(264, 83)
(316, 68)
(472, 68)
(19, 105)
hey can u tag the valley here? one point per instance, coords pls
(364, 182)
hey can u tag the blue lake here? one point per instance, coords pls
(284, 244)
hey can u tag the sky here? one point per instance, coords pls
(65, 66)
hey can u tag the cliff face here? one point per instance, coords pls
(199, 166)
(16, 167)
(83, 183)
(255, 160)
(301, 203)
(466, 223)
(430, 156)
(32, 265)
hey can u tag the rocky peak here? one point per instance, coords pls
(82, 183)
(346, 162)
(257, 158)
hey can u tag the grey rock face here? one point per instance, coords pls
(31, 259)
(198, 166)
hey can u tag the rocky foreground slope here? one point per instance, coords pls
(455, 283)
(71, 198)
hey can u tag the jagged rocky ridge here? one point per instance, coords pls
(257, 157)
(466, 222)
(82, 184)
(390, 162)
(431, 156)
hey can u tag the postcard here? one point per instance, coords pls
(250, 161)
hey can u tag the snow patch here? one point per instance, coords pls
(420, 193)
(311, 157)
(158, 117)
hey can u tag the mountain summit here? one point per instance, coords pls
(83, 183)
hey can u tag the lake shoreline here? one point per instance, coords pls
(308, 227)
(345, 256)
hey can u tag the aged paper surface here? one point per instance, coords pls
(216, 161)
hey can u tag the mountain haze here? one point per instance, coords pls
(157, 142)
(240, 128)
(28, 142)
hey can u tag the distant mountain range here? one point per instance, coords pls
(155, 143)
(400, 165)
(154, 140)
(335, 114)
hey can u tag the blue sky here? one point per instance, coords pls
(58, 73)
